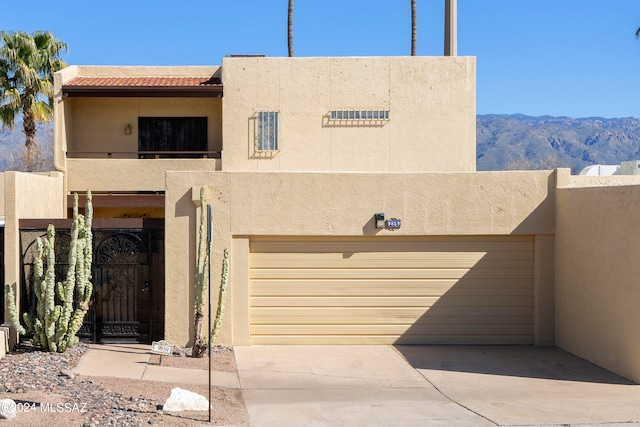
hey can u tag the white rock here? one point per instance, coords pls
(185, 400)
(7, 409)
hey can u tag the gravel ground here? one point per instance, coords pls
(48, 393)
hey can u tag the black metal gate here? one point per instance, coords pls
(128, 283)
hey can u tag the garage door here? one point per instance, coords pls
(449, 290)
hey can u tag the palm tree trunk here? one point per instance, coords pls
(29, 128)
(413, 27)
(290, 28)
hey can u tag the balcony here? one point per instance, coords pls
(133, 170)
(144, 154)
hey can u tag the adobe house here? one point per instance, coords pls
(298, 158)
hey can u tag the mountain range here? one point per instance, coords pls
(12, 145)
(504, 141)
(523, 142)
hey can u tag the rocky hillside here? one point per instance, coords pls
(523, 142)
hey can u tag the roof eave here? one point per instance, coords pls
(208, 91)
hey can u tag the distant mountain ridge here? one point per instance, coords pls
(517, 141)
(504, 141)
(12, 142)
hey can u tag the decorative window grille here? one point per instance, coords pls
(359, 115)
(267, 132)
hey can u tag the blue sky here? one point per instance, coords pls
(575, 58)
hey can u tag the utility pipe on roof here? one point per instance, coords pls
(450, 28)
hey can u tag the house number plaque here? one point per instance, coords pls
(162, 348)
(392, 224)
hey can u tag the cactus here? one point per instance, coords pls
(222, 296)
(13, 313)
(202, 285)
(54, 326)
(202, 282)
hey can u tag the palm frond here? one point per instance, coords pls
(42, 112)
(7, 117)
(27, 64)
(11, 98)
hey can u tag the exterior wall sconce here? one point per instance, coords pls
(127, 129)
(379, 218)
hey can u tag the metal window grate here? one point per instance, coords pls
(267, 134)
(368, 115)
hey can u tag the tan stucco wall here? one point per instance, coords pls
(129, 174)
(431, 102)
(27, 196)
(597, 258)
(343, 204)
(2, 194)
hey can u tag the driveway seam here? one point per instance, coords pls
(314, 374)
(441, 392)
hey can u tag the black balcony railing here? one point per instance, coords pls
(144, 154)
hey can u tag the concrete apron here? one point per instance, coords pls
(131, 361)
(429, 385)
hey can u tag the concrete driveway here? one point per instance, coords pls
(429, 385)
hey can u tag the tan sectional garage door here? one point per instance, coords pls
(445, 290)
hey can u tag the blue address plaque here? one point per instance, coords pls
(393, 224)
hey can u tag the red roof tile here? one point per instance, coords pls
(154, 82)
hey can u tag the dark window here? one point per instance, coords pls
(172, 134)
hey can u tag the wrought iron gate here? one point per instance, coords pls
(128, 283)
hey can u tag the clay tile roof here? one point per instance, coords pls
(144, 86)
(141, 81)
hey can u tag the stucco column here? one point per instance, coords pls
(450, 27)
(11, 239)
(544, 291)
(240, 289)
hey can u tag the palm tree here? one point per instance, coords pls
(290, 28)
(413, 27)
(27, 64)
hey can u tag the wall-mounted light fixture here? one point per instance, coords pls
(127, 129)
(379, 218)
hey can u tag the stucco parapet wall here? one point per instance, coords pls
(603, 181)
(566, 180)
(347, 59)
(343, 204)
(129, 174)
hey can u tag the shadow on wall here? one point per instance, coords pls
(468, 290)
(465, 289)
(410, 289)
